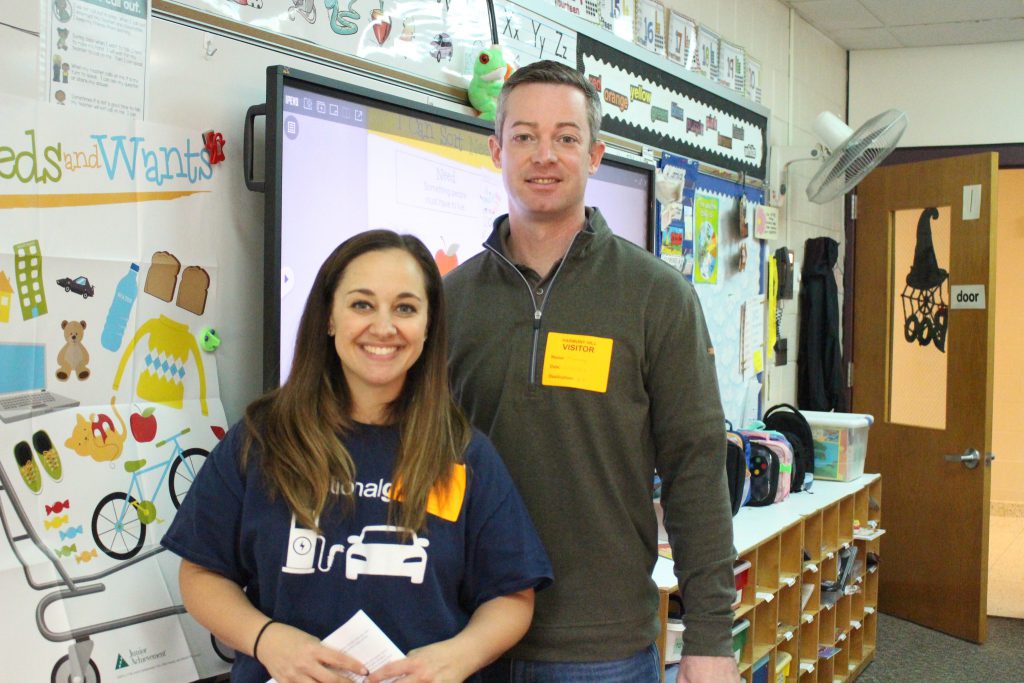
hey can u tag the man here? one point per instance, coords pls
(588, 363)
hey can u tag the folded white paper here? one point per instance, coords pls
(361, 639)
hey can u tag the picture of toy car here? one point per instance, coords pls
(441, 47)
(382, 550)
(80, 285)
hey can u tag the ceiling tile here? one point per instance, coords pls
(865, 39)
(915, 12)
(830, 15)
(966, 33)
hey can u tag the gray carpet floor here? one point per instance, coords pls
(908, 653)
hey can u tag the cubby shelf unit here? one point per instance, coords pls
(792, 547)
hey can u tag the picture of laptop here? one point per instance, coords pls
(23, 391)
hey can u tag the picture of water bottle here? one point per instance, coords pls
(120, 310)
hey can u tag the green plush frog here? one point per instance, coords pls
(490, 71)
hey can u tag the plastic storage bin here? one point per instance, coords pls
(782, 662)
(739, 637)
(674, 640)
(840, 444)
(759, 672)
(742, 571)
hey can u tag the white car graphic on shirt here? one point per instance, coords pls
(381, 550)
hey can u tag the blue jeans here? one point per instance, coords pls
(643, 667)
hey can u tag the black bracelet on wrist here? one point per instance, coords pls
(259, 635)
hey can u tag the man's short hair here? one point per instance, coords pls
(550, 71)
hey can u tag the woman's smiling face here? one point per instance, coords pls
(379, 323)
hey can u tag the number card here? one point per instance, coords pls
(682, 40)
(708, 44)
(731, 71)
(752, 83)
(650, 25)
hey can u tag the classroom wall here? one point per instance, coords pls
(234, 77)
(780, 39)
(954, 95)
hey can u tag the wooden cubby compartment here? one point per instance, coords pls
(829, 531)
(874, 490)
(768, 568)
(791, 557)
(812, 537)
(764, 625)
(846, 517)
(789, 613)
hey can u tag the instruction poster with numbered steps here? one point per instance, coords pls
(94, 54)
(108, 406)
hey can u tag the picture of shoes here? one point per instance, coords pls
(48, 455)
(27, 467)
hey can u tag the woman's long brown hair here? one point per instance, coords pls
(296, 428)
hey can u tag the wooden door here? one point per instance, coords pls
(934, 563)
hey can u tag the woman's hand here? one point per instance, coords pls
(436, 663)
(294, 656)
(495, 626)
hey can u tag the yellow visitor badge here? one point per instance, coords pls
(577, 361)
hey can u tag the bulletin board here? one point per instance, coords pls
(727, 270)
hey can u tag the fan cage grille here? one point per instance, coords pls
(864, 150)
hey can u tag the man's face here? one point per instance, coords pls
(545, 153)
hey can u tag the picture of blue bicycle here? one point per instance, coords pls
(120, 519)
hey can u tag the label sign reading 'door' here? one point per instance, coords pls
(967, 296)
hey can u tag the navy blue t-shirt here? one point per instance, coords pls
(418, 590)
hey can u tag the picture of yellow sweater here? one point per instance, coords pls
(162, 380)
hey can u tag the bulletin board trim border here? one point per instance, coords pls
(611, 56)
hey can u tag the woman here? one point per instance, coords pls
(359, 485)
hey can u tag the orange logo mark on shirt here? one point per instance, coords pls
(445, 500)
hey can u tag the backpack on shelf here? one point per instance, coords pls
(764, 475)
(790, 422)
(779, 467)
(737, 468)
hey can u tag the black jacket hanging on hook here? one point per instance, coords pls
(820, 377)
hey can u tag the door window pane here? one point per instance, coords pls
(920, 316)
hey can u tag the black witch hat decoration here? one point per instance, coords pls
(925, 311)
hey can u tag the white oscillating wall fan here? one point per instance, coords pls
(852, 154)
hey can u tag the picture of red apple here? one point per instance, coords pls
(143, 425)
(381, 25)
(447, 259)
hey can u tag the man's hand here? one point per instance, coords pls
(708, 670)
(290, 654)
(436, 663)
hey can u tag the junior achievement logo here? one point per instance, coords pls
(138, 656)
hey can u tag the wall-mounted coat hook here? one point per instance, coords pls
(208, 49)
